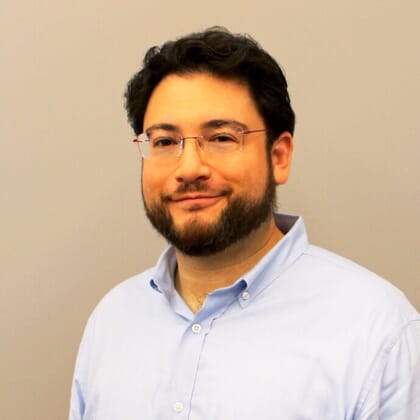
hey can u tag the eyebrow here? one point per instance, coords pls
(221, 123)
(162, 126)
(216, 123)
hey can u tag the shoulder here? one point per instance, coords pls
(337, 290)
(133, 289)
(134, 295)
(347, 273)
(324, 276)
(355, 291)
(130, 306)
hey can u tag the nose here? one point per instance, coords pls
(192, 164)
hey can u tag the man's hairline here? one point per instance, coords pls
(203, 70)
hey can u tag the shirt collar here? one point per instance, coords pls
(288, 249)
(163, 278)
(292, 245)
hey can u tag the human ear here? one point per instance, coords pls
(281, 157)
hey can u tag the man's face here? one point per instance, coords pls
(201, 203)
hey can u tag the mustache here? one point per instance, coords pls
(195, 187)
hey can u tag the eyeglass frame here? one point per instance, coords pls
(182, 139)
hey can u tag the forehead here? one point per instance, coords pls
(191, 99)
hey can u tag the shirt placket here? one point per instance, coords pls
(187, 360)
(191, 347)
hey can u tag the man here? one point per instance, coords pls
(241, 318)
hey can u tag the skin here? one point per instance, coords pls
(188, 102)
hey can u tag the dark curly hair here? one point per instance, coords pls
(222, 54)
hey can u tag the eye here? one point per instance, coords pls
(164, 142)
(223, 138)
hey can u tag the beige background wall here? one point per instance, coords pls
(72, 223)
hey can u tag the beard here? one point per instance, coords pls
(237, 220)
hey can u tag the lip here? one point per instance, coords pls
(194, 197)
(196, 201)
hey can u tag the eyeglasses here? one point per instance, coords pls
(160, 143)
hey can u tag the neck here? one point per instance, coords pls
(196, 277)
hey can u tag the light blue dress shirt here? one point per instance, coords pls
(304, 335)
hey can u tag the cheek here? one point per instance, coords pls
(153, 180)
(255, 176)
(147, 183)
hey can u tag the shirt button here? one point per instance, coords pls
(245, 295)
(196, 328)
(178, 407)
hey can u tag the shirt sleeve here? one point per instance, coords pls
(80, 376)
(77, 404)
(395, 391)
